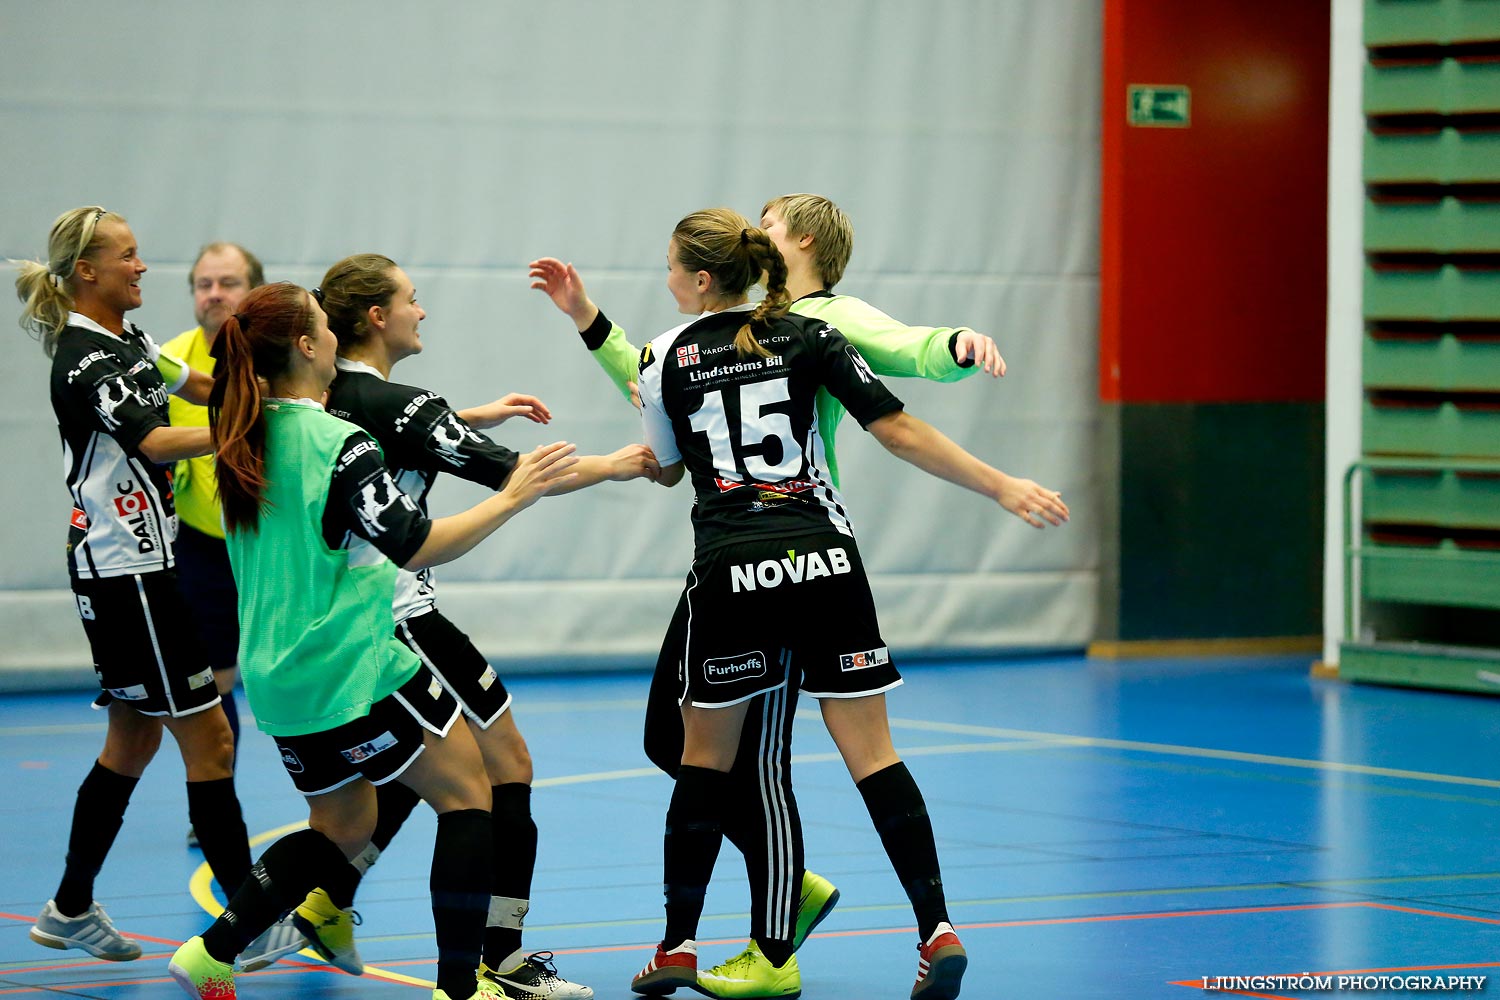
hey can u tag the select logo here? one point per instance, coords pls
(728, 669)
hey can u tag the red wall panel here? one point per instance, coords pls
(1214, 237)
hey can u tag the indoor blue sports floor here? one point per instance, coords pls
(1110, 829)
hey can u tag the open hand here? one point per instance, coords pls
(1033, 503)
(634, 461)
(564, 287)
(982, 349)
(540, 471)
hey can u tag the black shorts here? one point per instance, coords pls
(464, 671)
(208, 591)
(144, 654)
(758, 610)
(378, 746)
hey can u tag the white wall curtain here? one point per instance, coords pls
(465, 138)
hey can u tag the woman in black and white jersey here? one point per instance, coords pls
(777, 585)
(110, 397)
(373, 310)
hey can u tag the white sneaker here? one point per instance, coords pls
(92, 932)
(281, 938)
(533, 978)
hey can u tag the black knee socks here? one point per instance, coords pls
(461, 867)
(514, 858)
(278, 881)
(690, 847)
(895, 804)
(395, 802)
(214, 811)
(97, 815)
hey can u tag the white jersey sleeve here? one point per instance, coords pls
(660, 437)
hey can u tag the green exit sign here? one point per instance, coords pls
(1166, 107)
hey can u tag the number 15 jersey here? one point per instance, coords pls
(746, 427)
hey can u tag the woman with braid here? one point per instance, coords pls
(777, 586)
(110, 385)
(815, 239)
(372, 308)
(316, 528)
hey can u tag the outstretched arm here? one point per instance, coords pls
(172, 444)
(924, 446)
(512, 404)
(634, 461)
(941, 354)
(541, 471)
(606, 342)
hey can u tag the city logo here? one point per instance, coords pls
(868, 658)
(770, 573)
(728, 669)
(687, 355)
(363, 752)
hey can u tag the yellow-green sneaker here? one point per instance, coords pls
(200, 974)
(750, 974)
(818, 899)
(330, 932)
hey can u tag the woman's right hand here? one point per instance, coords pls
(565, 288)
(539, 472)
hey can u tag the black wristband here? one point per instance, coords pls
(597, 333)
(953, 350)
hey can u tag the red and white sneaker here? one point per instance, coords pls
(668, 970)
(941, 962)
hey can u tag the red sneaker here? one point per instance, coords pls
(941, 962)
(668, 970)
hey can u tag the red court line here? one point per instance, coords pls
(1435, 913)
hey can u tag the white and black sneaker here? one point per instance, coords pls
(533, 977)
(92, 931)
(281, 938)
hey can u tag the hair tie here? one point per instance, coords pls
(744, 237)
(243, 321)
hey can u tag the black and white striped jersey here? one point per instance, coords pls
(420, 436)
(108, 394)
(746, 428)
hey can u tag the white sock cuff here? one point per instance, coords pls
(507, 912)
(364, 859)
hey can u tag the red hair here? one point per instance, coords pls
(255, 343)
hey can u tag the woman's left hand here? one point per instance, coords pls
(514, 404)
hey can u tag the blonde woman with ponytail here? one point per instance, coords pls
(316, 528)
(777, 588)
(110, 385)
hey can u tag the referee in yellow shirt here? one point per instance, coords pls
(222, 275)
